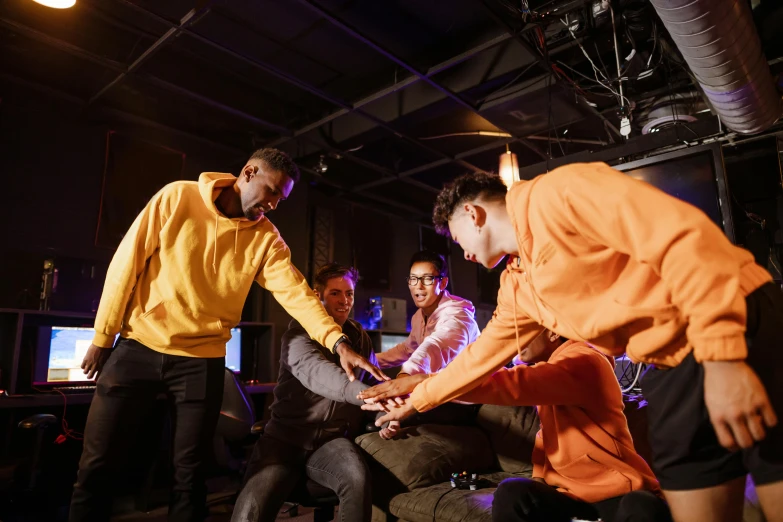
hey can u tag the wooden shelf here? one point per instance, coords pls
(48, 313)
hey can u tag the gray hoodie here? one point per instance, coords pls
(314, 401)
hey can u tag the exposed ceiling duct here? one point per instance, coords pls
(721, 45)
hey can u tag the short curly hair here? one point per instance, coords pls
(278, 160)
(330, 271)
(467, 187)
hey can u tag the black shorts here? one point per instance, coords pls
(686, 451)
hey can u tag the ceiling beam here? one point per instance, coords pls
(132, 118)
(190, 18)
(291, 80)
(427, 166)
(407, 213)
(410, 80)
(355, 33)
(123, 69)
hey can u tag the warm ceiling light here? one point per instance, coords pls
(56, 4)
(509, 168)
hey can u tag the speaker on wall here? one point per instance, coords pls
(133, 172)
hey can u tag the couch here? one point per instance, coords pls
(411, 473)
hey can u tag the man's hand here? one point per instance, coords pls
(737, 403)
(399, 387)
(397, 412)
(350, 360)
(94, 360)
(390, 431)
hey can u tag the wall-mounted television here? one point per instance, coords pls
(695, 175)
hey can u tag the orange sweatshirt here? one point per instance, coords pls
(614, 261)
(584, 448)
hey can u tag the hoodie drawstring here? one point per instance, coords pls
(214, 247)
(214, 244)
(516, 328)
(236, 237)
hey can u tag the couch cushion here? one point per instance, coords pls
(424, 455)
(453, 505)
(512, 433)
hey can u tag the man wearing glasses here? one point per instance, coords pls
(441, 327)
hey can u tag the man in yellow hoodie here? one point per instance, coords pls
(174, 289)
(603, 258)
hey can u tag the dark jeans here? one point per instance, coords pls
(277, 468)
(126, 389)
(526, 500)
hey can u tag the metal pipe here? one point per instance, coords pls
(617, 58)
(720, 43)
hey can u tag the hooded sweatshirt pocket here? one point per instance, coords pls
(169, 323)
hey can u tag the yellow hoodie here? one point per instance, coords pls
(180, 277)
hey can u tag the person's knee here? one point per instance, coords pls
(512, 496)
(356, 477)
(642, 506)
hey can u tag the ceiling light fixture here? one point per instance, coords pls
(509, 168)
(56, 4)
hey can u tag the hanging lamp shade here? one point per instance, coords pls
(56, 4)
(509, 168)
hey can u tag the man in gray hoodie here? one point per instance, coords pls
(315, 416)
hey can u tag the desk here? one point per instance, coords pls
(36, 400)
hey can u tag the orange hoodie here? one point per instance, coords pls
(584, 448)
(614, 261)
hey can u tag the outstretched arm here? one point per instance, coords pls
(306, 361)
(495, 347)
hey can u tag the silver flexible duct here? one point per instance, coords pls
(722, 47)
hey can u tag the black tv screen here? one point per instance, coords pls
(694, 175)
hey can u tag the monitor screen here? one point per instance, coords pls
(234, 351)
(692, 176)
(389, 341)
(62, 349)
(67, 347)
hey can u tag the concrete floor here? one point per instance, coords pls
(218, 512)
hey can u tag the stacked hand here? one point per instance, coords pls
(391, 397)
(350, 360)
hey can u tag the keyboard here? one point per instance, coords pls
(87, 388)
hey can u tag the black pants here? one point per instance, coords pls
(526, 500)
(127, 387)
(277, 468)
(686, 451)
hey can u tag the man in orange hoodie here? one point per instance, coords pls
(604, 258)
(584, 462)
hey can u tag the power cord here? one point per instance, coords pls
(67, 433)
(435, 510)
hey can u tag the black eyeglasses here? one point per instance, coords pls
(428, 280)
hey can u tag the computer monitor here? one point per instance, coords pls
(694, 175)
(389, 341)
(61, 350)
(234, 351)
